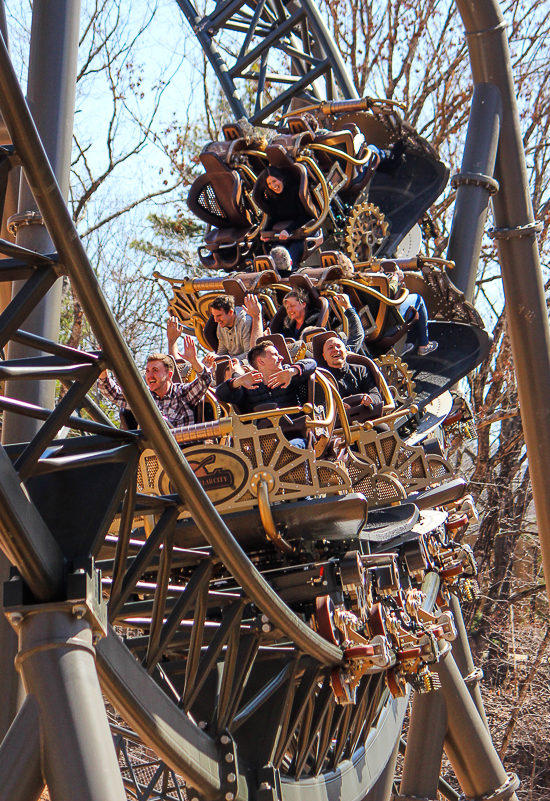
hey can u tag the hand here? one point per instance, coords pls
(189, 353)
(173, 330)
(284, 235)
(343, 301)
(366, 400)
(282, 378)
(209, 360)
(253, 306)
(248, 380)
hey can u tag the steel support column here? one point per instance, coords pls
(51, 98)
(463, 657)
(57, 664)
(468, 744)
(20, 767)
(425, 740)
(474, 186)
(526, 310)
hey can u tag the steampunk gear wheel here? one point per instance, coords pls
(366, 232)
(398, 377)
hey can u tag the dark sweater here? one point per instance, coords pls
(287, 206)
(356, 379)
(247, 399)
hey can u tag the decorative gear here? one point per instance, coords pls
(398, 377)
(366, 231)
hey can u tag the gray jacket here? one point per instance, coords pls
(235, 342)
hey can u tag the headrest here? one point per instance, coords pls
(280, 343)
(318, 342)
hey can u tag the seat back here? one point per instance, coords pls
(280, 343)
(216, 197)
(210, 333)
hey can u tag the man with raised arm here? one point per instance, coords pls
(270, 382)
(238, 327)
(175, 401)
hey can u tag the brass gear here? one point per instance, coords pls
(365, 232)
(398, 377)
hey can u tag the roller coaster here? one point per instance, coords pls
(257, 615)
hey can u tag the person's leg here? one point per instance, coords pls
(421, 326)
(296, 250)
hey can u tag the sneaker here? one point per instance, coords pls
(407, 349)
(423, 350)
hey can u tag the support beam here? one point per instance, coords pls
(56, 659)
(425, 740)
(51, 98)
(474, 186)
(515, 233)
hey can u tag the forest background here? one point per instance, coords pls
(147, 103)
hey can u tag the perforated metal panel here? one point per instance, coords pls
(388, 449)
(328, 478)
(285, 457)
(247, 447)
(298, 475)
(208, 200)
(152, 467)
(268, 445)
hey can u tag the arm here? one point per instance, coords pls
(173, 332)
(234, 390)
(307, 368)
(254, 309)
(110, 389)
(356, 331)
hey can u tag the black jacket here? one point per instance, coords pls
(356, 379)
(247, 399)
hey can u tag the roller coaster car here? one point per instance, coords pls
(216, 198)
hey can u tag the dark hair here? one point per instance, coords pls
(300, 294)
(225, 303)
(257, 350)
(167, 361)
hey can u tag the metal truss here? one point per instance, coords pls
(283, 53)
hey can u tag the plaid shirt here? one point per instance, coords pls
(176, 406)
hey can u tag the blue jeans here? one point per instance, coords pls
(418, 334)
(298, 442)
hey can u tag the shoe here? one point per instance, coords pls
(423, 350)
(407, 349)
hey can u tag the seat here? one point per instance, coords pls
(217, 198)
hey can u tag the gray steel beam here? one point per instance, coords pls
(57, 665)
(425, 740)
(51, 98)
(464, 659)
(468, 744)
(20, 765)
(474, 186)
(526, 311)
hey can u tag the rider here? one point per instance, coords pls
(270, 382)
(355, 382)
(175, 401)
(238, 328)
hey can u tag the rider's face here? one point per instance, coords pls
(224, 319)
(270, 360)
(274, 184)
(294, 308)
(157, 377)
(334, 352)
